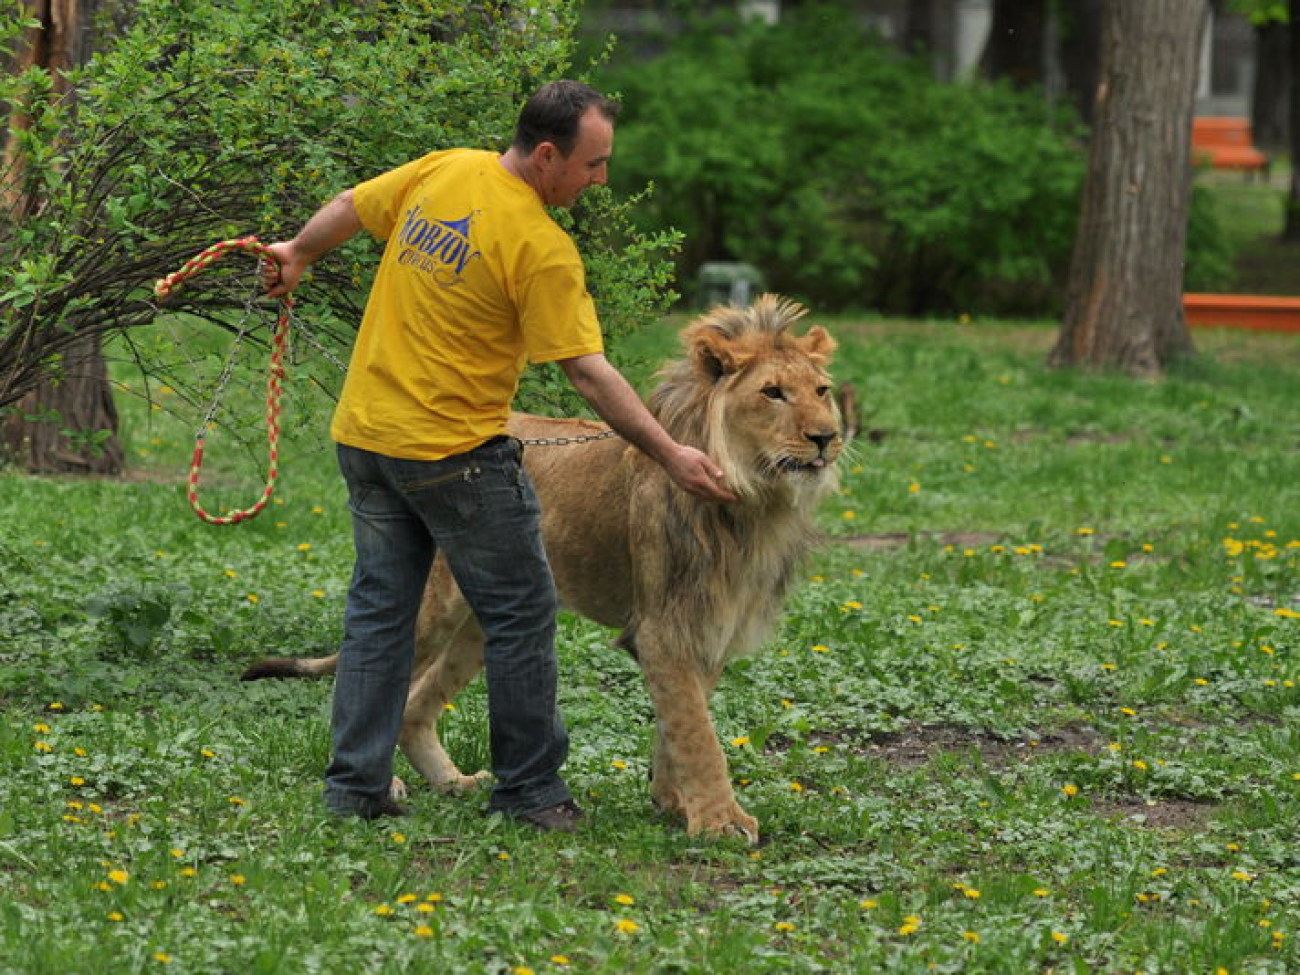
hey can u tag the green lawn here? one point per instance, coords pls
(1034, 707)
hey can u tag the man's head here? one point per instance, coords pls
(566, 132)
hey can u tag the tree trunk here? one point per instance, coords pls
(1017, 41)
(1124, 299)
(1269, 100)
(1080, 48)
(1291, 233)
(69, 425)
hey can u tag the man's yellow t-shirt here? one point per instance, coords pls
(475, 281)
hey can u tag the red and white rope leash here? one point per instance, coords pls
(163, 288)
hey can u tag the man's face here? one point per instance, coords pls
(563, 178)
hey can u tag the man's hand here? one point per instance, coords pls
(695, 472)
(282, 270)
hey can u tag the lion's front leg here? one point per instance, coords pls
(690, 774)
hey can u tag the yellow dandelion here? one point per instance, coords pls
(972, 893)
(189, 872)
(424, 931)
(162, 957)
(971, 936)
(626, 926)
(785, 927)
(238, 879)
(384, 910)
(304, 546)
(407, 899)
(43, 746)
(627, 900)
(1060, 938)
(398, 838)
(76, 780)
(1070, 789)
(119, 876)
(41, 728)
(619, 764)
(868, 905)
(561, 960)
(116, 916)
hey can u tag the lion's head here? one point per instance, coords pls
(756, 398)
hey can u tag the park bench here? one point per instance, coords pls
(1225, 142)
(1265, 313)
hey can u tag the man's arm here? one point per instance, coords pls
(613, 397)
(330, 226)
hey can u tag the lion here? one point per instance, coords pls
(689, 584)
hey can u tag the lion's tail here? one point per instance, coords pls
(281, 667)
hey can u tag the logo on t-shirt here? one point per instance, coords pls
(440, 248)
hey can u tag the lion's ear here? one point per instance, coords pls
(715, 354)
(818, 345)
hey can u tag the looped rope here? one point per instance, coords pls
(163, 288)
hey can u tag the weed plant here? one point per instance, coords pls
(1034, 707)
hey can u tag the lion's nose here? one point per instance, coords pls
(822, 440)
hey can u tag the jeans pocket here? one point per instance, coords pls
(449, 500)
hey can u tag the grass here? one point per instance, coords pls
(1034, 707)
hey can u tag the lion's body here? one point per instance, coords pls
(689, 584)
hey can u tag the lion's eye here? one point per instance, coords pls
(822, 391)
(773, 392)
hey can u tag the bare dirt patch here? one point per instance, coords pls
(917, 744)
(1157, 813)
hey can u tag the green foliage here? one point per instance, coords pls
(209, 119)
(848, 174)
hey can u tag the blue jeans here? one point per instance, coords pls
(480, 510)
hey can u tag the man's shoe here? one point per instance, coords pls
(386, 809)
(382, 809)
(563, 818)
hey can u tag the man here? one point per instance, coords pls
(476, 279)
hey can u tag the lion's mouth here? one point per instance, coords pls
(791, 465)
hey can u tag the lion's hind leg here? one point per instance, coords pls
(449, 653)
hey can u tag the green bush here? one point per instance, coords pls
(846, 173)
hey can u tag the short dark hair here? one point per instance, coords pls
(552, 114)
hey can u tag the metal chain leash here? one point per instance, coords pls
(567, 441)
(163, 289)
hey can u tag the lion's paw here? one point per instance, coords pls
(460, 784)
(736, 822)
(397, 790)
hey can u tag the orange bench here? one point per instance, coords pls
(1264, 313)
(1225, 142)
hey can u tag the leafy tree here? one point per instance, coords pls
(845, 171)
(211, 119)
